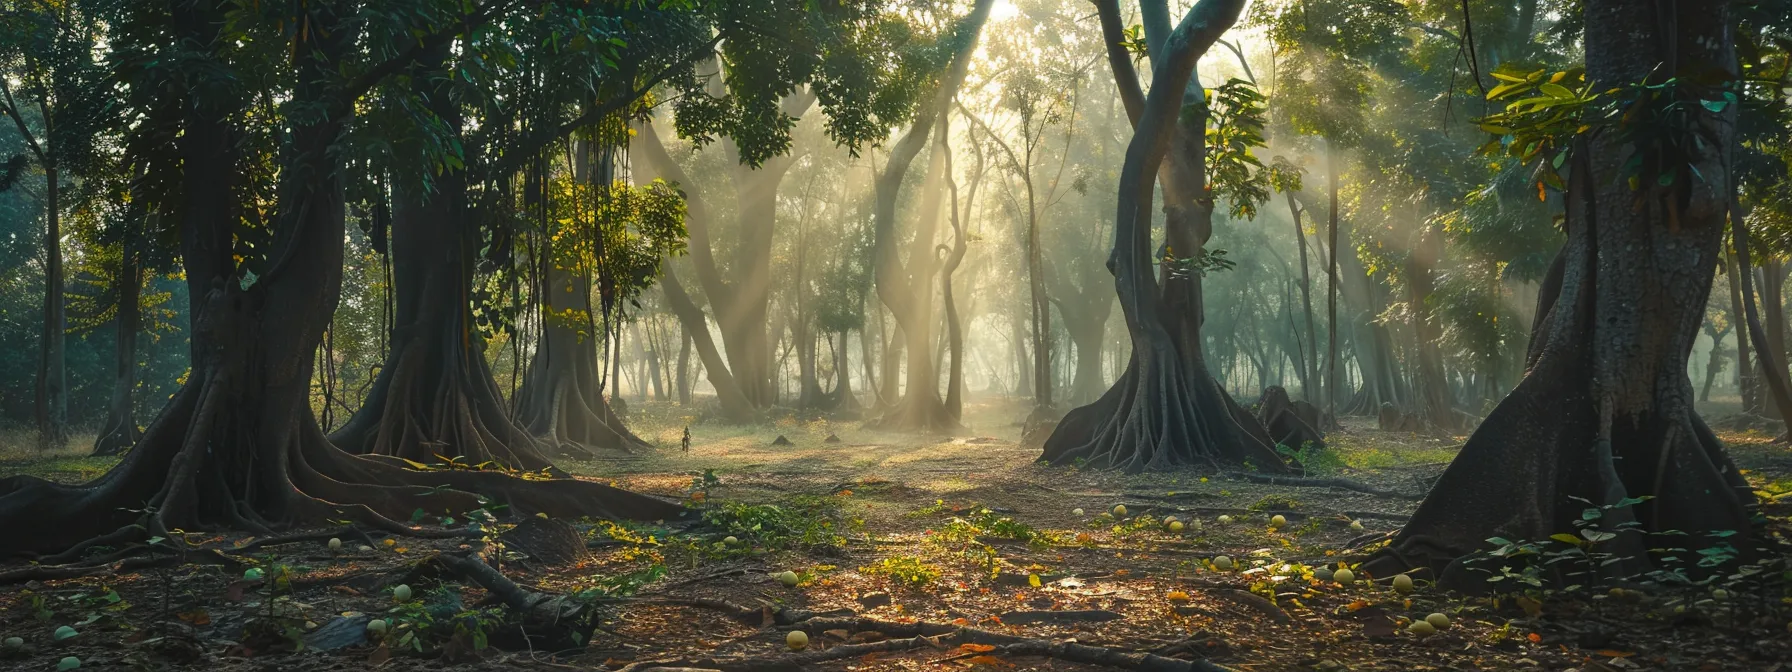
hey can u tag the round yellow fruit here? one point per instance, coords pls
(1403, 583)
(1176, 526)
(1344, 576)
(1076, 512)
(335, 544)
(797, 640)
(730, 541)
(789, 579)
(1421, 628)
(1119, 510)
(1278, 521)
(1438, 621)
(1222, 563)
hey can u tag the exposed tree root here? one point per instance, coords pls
(124, 561)
(1343, 483)
(1158, 416)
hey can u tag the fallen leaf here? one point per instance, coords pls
(1534, 637)
(1612, 653)
(976, 648)
(195, 617)
(991, 661)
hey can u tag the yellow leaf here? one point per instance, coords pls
(1033, 580)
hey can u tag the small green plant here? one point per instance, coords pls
(1275, 503)
(1314, 460)
(803, 521)
(904, 570)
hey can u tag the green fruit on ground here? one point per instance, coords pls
(789, 578)
(402, 593)
(1278, 521)
(68, 663)
(1176, 526)
(377, 627)
(1421, 628)
(1344, 576)
(15, 642)
(1222, 563)
(1403, 583)
(1438, 621)
(64, 632)
(797, 640)
(335, 544)
(1119, 510)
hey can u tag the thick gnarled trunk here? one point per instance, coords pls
(1605, 414)
(1166, 410)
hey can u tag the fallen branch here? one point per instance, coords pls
(535, 606)
(1344, 483)
(349, 531)
(129, 560)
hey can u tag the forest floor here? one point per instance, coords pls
(896, 530)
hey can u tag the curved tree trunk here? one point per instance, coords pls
(1166, 410)
(1606, 411)
(120, 431)
(907, 289)
(238, 445)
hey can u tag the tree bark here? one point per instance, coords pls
(1606, 411)
(1747, 382)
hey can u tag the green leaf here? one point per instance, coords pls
(1567, 539)
(1556, 91)
(1715, 105)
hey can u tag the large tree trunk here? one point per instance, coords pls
(1606, 411)
(1166, 410)
(52, 376)
(562, 399)
(238, 446)
(120, 431)
(435, 396)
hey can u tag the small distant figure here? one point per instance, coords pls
(685, 444)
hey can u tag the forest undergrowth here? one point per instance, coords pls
(944, 553)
